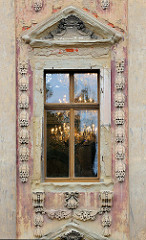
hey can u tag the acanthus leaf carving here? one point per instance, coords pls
(86, 215)
(23, 153)
(106, 223)
(71, 200)
(23, 119)
(24, 136)
(58, 214)
(24, 172)
(23, 84)
(23, 101)
(120, 171)
(23, 67)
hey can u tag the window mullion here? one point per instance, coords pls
(71, 156)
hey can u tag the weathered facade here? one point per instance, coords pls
(104, 36)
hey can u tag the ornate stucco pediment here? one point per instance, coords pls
(71, 26)
(73, 231)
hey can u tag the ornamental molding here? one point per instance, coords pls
(23, 101)
(120, 171)
(106, 223)
(120, 82)
(23, 172)
(70, 27)
(119, 100)
(71, 200)
(58, 214)
(72, 235)
(37, 5)
(23, 83)
(120, 66)
(120, 135)
(24, 153)
(23, 67)
(119, 117)
(86, 215)
(23, 118)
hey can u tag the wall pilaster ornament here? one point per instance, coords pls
(119, 117)
(119, 99)
(120, 66)
(106, 223)
(24, 136)
(23, 67)
(23, 118)
(120, 82)
(120, 171)
(38, 198)
(23, 153)
(71, 200)
(23, 101)
(120, 135)
(23, 84)
(37, 5)
(23, 172)
(120, 152)
(105, 4)
(105, 207)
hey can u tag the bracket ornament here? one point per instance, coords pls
(71, 200)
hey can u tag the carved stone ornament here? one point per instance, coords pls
(72, 235)
(38, 198)
(106, 223)
(120, 171)
(85, 215)
(24, 172)
(119, 117)
(23, 101)
(23, 119)
(120, 135)
(120, 66)
(119, 99)
(105, 4)
(58, 214)
(120, 152)
(71, 27)
(37, 5)
(23, 84)
(71, 200)
(105, 201)
(23, 153)
(23, 68)
(24, 136)
(120, 82)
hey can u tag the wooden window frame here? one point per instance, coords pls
(71, 106)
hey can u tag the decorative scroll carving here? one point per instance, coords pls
(85, 215)
(23, 153)
(71, 22)
(38, 198)
(120, 135)
(24, 172)
(105, 4)
(106, 223)
(119, 117)
(24, 136)
(120, 66)
(23, 119)
(23, 68)
(105, 201)
(37, 5)
(120, 152)
(72, 235)
(58, 214)
(120, 172)
(23, 101)
(71, 200)
(120, 82)
(119, 99)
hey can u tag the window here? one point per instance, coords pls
(71, 109)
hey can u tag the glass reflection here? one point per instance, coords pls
(57, 88)
(86, 145)
(85, 88)
(58, 143)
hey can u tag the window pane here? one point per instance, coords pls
(86, 145)
(57, 88)
(85, 87)
(57, 143)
